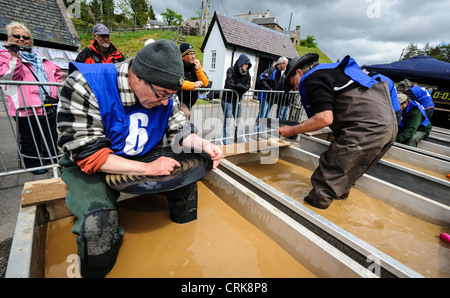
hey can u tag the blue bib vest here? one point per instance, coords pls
(411, 105)
(351, 69)
(133, 130)
(423, 97)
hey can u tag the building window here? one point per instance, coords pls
(213, 59)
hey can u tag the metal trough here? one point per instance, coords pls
(408, 202)
(440, 136)
(431, 187)
(321, 246)
(27, 257)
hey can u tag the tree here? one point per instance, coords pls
(444, 53)
(151, 13)
(411, 51)
(136, 10)
(172, 18)
(309, 42)
(439, 52)
(94, 11)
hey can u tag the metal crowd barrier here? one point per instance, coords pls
(245, 121)
(43, 133)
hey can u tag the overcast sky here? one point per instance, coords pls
(371, 31)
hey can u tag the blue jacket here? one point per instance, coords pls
(134, 130)
(271, 78)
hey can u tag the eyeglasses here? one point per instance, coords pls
(17, 36)
(160, 97)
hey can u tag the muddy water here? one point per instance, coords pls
(409, 240)
(219, 244)
(425, 171)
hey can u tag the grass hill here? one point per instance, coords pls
(129, 43)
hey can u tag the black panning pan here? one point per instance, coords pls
(194, 166)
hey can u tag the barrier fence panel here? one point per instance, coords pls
(257, 113)
(220, 115)
(32, 132)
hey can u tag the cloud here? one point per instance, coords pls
(372, 31)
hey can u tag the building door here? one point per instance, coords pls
(262, 66)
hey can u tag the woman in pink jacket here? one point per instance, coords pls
(19, 66)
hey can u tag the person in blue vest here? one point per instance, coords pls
(109, 115)
(357, 109)
(418, 94)
(415, 125)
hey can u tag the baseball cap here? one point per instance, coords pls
(101, 29)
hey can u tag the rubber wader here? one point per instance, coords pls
(364, 128)
(93, 203)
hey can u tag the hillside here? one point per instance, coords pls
(129, 43)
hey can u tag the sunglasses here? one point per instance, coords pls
(17, 36)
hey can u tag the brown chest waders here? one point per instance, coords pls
(364, 128)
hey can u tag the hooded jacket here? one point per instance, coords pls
(235, 79)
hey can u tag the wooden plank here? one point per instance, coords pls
(252, 147)
(43, 192)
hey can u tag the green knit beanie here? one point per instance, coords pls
(160, 63)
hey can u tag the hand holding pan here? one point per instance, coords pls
(194, 166)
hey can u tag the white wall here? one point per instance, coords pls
(223, 59)
(215, 43)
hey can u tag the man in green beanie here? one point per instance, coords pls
(109, 115)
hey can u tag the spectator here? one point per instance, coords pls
(20, 65)
(271, 79)
(238, 79)
(194, 77)
(101, 49)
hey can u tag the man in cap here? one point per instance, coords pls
(109, 115)
(194, 77)
(357, 109)
(415, 125)
(101, 49)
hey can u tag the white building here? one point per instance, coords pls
(227, 38)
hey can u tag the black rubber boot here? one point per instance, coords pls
(183, 204)
(317, 201)
(101, 237)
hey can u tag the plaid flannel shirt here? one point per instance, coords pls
(80, 126)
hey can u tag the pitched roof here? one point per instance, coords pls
(43, 18)
(251, 37)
